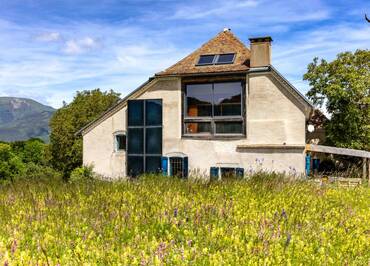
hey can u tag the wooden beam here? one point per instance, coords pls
(271, 146)
(339, 151)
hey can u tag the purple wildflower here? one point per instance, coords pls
(284, 215)
(289, 237)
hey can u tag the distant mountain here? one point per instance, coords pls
(21, 119)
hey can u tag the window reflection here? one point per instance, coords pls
(229, 127)
(227, 98)
(198, 127)
(199, 100)
(210, 106)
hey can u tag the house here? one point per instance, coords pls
(222, 109)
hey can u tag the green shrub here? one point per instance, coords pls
(82, 173)
(11, 165)
(40, 172)
(32, 150)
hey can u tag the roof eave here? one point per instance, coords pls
(113, 107)
(203, 73)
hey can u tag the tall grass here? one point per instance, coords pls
(156, 221)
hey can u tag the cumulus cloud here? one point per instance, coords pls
(81, 45)
(197, 12)
(138, 44)
(49, 37)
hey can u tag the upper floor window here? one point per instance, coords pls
(216, 59)
(214, 108)
(120, 142)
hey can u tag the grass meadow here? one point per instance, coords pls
(265, 220)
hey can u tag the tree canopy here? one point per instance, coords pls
(343, 87)
(65, 146)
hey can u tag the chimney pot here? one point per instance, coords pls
(260, 51)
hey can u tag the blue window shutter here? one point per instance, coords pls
(186, 167)
(308, 164)
(214, 173)
(165, 165)
(239, 172)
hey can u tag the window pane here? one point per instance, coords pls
(121, 142)
(135, 165)
(229, 127)
(135, 113)
(205, 59)
(136, 141)
(227, 98)
(199, 100)
(153, 140)
(153, 164)
(225, 58)
(197, 127)
(177, 166)
(153, 112)
(227, 172)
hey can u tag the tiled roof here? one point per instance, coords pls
(222, 43)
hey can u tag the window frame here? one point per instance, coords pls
(115, 141)
(214, 119)
(215, 60)
(225, 63)
(207, 64)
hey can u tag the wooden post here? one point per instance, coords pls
(364, 161)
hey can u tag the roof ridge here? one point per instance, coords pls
(236, 38)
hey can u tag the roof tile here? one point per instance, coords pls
(222, 43)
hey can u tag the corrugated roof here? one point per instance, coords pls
(223, 43)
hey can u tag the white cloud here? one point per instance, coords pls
(196, 12)
(123, 54)
(291, 56)
(49, 37)
(81, 45)
(252, 12)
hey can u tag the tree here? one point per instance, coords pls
(343, 86)
(65, 146)
(10, 164)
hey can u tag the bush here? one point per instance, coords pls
(32, 150)
(10, 164)
(82, 173)
(40, 172)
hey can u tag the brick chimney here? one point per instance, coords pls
(260, 51)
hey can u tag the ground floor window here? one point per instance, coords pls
(218, 173)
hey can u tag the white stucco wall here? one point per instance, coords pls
(273, 117)
(99, 150)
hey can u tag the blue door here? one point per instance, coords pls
(144, 136)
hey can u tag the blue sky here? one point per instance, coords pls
(50, 49)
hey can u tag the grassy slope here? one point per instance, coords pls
(177, 222)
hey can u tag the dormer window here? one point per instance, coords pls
(216, 59)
